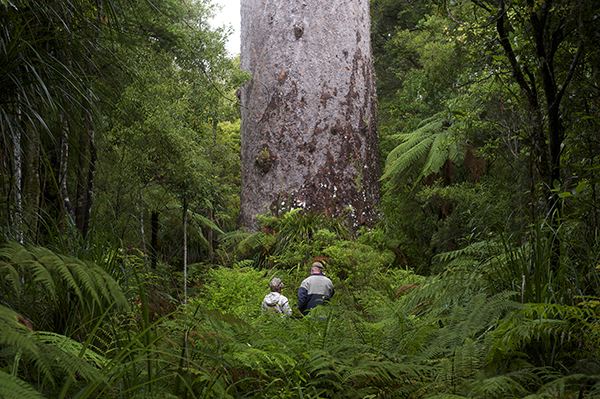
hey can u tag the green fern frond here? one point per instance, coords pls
(83, 280)
(477, 250)
(203, 221)
(59, 268)
(427, 149)
(38, 273)
(12, 387)
(595, 390)
(255, 242)
(411, 140)
(501, 386)
(16, 338)
(72, 348)
(15, 335)
(400, 161)
(569, 385)
(42, 276)
(439, 152)
(10, 277)
(536, 322)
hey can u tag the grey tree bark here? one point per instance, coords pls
(308, 113)
(63, 169)
(18, 186)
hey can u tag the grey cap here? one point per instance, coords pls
(276, 284)
(318, 264)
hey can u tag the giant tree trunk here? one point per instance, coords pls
(308, 113)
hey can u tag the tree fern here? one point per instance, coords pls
(427, 148)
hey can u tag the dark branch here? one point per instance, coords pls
(570, 74)
(501, 22)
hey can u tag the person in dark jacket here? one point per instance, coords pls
(315, 289)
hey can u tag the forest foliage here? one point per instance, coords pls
(123, 273)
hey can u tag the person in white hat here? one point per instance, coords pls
(274, 301)
(315, 289)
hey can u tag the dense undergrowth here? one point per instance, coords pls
(114, 328)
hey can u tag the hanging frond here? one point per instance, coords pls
(424, 151)
(205, 222)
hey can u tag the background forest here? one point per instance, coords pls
(123, 273)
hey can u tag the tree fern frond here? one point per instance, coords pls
(255, 241)
(72, 348)
(83, 280)
(50, 276)
(427, 148)
(12, 387)
(477, 249)
(18, 339)
(410, 140)
(397, 166)
(568, 385)
(456, 151)
(439, 152)
(540, 321)
(15, 335)
(499, 387)
(102, 286)
(42, 276)
(108, 287)
(59, 269)
(11, 276)
(203, 221)
(595, 390)
(69, 364)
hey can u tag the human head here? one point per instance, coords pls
(316, 268)
(276, 284)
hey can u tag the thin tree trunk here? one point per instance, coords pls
(142, 231)
(210, 235)
(32, 189)
(185, 250)
(91, 173)
(154, 238)
(63, 172)
(185, 277)
(80, 181)
(18, 185)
